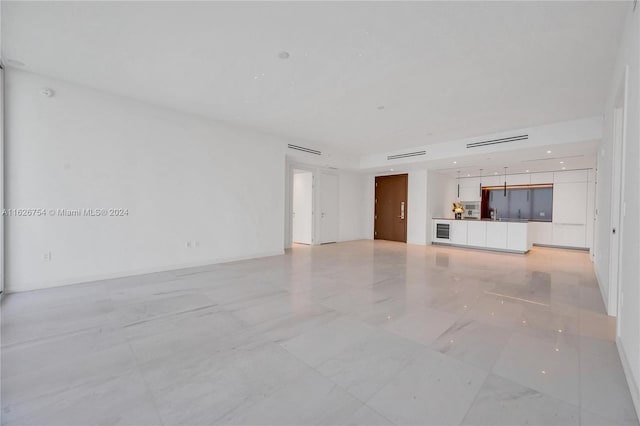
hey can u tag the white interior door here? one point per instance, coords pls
(302, 217)
(328, 208)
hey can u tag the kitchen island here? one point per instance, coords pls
(509, 235)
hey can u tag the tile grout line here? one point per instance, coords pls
(144, 380)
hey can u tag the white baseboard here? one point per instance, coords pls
(143, 271)
(631, 381)
(605, 297)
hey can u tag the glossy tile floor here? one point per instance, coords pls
(363, 332)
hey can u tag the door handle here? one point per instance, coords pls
(401, 210)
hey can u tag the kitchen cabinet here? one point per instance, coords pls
(458, 232)
(470, 193)
(540, 178)
(485, 234)
(569, 235)
(541, 233)
(570, 203)
(477, 234)
(520, 179)
(493, 180)
(496, 235)
(571, 176)
(517, 236)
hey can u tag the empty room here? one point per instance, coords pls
(319, 213)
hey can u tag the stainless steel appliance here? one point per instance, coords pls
(471, 209)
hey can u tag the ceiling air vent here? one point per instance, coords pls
(303, 149)
(497, 141)
(406, 155)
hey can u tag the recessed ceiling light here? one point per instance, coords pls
(495, 173)
(527, 171)
(564, 168)
(562, 162)
(390, 170)
(455, 162)
(380, 107)
(468, 175)
(15, 63)
(284, 55)
(549, 152)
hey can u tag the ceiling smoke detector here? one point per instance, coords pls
(284, 55)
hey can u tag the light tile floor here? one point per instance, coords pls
(363, 332)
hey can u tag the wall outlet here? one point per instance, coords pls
(188, 244)
(47, 256)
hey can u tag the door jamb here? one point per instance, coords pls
(620, 103)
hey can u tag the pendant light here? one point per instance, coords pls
(505, 182)
(458, 184)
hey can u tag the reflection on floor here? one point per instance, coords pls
(353, 333)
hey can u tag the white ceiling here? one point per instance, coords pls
(571, 156)
(442, 70)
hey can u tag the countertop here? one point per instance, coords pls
(485, 220)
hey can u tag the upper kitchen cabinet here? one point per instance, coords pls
(520, 179)
(540, 178)
(470, 189)
(470, 193)
(571, 176)
(492, 180)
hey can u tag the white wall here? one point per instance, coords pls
(369, 192)
(352, 216)
(180, 177)
(351, 206)
(302, 207)
(417, 208)
(629, 310)
(441, 193)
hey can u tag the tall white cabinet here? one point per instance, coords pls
(571, 209)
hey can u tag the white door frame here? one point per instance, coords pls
(321, 208)
(619, 124)
(304, 216)
(289, 202)
(2, 183)
(315, 172)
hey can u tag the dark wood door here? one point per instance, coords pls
(391, 208)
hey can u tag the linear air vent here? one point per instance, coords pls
(303, 149)
(406, 155)
(497, 141)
